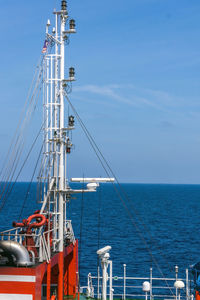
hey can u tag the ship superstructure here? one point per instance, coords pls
(39, 256)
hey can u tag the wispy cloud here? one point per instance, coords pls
(138, 97)
(130, 95)
(106, 91)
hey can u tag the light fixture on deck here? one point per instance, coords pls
(179, 285)
(146, 287)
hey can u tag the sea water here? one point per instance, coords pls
(149, 225)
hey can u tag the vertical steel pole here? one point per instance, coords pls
(110, 289)
(176, 272)
(187, 285)
(55, 160)
(151, 283)
(124, 296)
(61, 161)
(104, 280)
(98, 280)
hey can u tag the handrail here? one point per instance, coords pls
(42, 242)
(41, 239)
(131, 287)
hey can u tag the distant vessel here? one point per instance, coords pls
(39, 256)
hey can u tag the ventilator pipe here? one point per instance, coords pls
(19, 251)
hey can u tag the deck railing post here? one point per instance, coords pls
(176, 275)
(111, 276)
(151, 283)
(124, 296)
(98, 281)
(187, 285)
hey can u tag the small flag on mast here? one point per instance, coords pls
(44, 49)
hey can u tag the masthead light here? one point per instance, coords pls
(72, 26)
(71, 121)
(64, 5)
(71, 73)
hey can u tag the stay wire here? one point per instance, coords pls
(99, 155)
(28, 114)
(27, 156)
(122, 189)
(12, 143)
(20, 143)
(17, 138)
(30, 183)
(10, 177)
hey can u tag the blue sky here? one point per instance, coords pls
(138, 85)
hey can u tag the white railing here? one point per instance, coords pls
(41, 241)
(131, 287)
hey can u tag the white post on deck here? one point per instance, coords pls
(111, 288)
(124, 296)
(176, 272)
(151, 283)
(98, 281)
(104, 257)
(187, 285)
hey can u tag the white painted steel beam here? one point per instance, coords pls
(17, 278)
(92, 180)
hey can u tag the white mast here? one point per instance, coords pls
(61, 131)
(55, 134)
(57, 142)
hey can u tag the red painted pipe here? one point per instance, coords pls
(60, 275)
(26, 222)
(15, 224)
(49, 280)
(36, 225)
(197, 295)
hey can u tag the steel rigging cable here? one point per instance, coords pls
(24, 162)
(104, 163)
(14, 138)
(30, 183)
(14, 161)
(5, 192)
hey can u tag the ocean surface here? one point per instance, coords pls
(149, 225)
